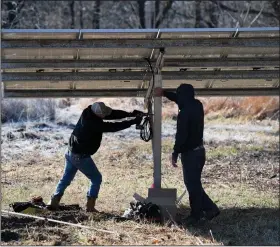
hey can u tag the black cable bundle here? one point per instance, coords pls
(146, 132)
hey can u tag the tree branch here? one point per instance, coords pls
(252, 11)
(257, 16)
(161, 17)
(141, 12)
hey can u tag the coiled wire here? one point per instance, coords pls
(146, 131)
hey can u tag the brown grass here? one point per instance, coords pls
(258, 107)
(249, 201)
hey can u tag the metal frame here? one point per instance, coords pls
(156, 142)
(139, 64)
(12, 93)
(140, 75)
(142, 43)
(240, 54)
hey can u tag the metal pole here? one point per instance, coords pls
(157, 133)
(156, 142)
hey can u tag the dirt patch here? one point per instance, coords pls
(260, 169)
(24, 228)
(7, 236)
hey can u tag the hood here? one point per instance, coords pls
(185, 94)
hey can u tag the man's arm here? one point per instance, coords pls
(170, 95)
(158, 91)
(114, 127)
(182, 132)
(118, 114)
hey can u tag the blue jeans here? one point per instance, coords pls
(85, 164)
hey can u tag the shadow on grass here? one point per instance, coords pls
(234, 226)
(241, 226)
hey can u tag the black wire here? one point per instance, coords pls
(146, 132)
(152, 70)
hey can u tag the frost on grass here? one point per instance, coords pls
(241, 174)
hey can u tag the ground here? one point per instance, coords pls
(241, 175)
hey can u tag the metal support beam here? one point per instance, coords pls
(142, 43)
(157, 133)
(1, 96)
(44, 93)
(140, 75)
(156, 142)
(139, 64)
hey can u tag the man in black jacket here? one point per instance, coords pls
(84, 141)
(189, 143)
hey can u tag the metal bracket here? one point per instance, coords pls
(156, 70)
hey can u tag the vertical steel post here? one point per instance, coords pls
(157, 122)
(0, 120)
(157, 132)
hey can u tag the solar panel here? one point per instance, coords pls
(117, 62)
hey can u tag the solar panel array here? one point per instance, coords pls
(84, 63)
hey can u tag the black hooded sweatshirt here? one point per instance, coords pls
(190, 121)
(87, 134)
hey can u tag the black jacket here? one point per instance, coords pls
(87, 135)
(190, 121)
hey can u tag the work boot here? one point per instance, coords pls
(90, 206)
(53, 204)
(193, 221)
(210, 214)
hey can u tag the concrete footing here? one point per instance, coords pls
(166, 200)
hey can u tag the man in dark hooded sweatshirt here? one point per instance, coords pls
(84, 141)
(189, 143)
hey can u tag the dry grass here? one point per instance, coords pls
(260, 107)
(249, 202)
(246, 108)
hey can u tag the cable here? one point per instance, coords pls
(152, 70)
(146, 131)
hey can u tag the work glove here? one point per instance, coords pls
(158, 92)
(137, 113)
(174, 159)
(137, 120)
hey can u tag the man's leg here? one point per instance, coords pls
(192, 175)
(69, 173)
(89, 169)
(209, 207)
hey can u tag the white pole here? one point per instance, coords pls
(157, 133)
(0, 120)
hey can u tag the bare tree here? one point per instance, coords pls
(13, 13)
(96, 14)
(139, 14)
(197, 14)
(81, 15)
(72, 14)
(276, 7)
(160, 16)
(142, 13)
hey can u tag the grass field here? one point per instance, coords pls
(241, 174)
(241, 178)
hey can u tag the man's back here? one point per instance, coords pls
(85, 138)
(195, 124)
(190, 123)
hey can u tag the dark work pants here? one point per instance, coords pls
(193, 162)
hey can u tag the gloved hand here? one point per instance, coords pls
(137, 120)
(137, 113)
(158, 92)
(174, 159)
